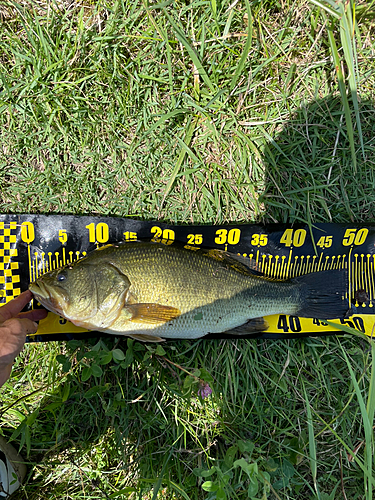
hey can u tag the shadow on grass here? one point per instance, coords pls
(309, 172)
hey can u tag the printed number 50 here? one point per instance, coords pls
(358, 237)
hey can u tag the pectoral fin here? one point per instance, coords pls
(150, 313)
(254, 325)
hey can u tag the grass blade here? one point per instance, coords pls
(332, 11)
(312, 444)
(164, 36)
(371, 399)
(350, 55)
(161, 476)
(367, 422)
(164, 118)
(370, 408)
(191, 51)
(343, 92)
(246, 49)
(187, 141)
(347, 25)
(347, 448)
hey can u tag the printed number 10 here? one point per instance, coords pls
(98, 233)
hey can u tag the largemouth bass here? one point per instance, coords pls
(150, 291)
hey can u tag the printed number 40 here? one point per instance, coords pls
(289, 323)
(293, 237)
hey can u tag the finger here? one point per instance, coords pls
(34, 315)
(15, 306)
(20, 327)
(4, 374)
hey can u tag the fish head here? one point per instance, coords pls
(88, 295)
(69, 291)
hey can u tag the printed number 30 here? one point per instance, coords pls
(224, 236)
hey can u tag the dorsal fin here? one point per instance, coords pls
(237, 262)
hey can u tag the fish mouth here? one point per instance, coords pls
(44, 296)
(40, 291)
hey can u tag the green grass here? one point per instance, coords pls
(205, 112)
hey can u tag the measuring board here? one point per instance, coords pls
(31, 245)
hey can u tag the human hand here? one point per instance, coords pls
(14, 326)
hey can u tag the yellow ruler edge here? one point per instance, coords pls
(279, 323)
(293, 325)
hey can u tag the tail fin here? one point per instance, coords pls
(323, 294)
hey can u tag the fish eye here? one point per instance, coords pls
(61, 277)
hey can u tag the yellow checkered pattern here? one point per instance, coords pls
(9, 269)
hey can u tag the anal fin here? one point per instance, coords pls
(254, 325)
(145, 338)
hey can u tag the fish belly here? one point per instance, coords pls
(200, 321)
